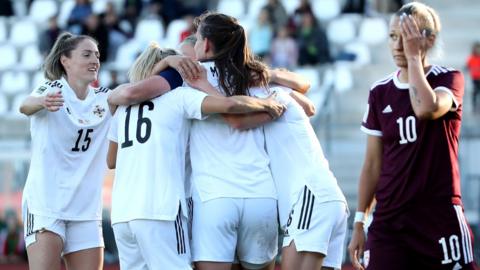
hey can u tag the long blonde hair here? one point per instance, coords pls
(143, 65)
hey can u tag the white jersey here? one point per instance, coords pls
(296, 157)
(68, 155)
(227, 162)
(150, 169)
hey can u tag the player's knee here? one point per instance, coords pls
(255, 266)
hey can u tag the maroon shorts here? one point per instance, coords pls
(434, 237)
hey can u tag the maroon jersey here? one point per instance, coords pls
(420, 157)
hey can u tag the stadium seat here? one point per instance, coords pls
(361, 52)
(310, 74)
(104, 77)
(65, 8)
(3, 104)
(148, 30)
(42, 10)
(99, 6)
(126, 54)
(16, 102)
(290, 5)
(8, 54)
(234, 8)
(14, 82)
(343, 77)
(254, 8)
(373, 31)
(37, 79)
(174, 30)
(24, 32)
(3, 29)
(341, 30)
(30, 58)
(326, 10)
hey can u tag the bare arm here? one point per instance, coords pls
(247, 121)
(289, 79)
(112, 155)
(304, 102)
(51, 102)
(242, 105)
(366, 190)
(426, 103)
(133, 93)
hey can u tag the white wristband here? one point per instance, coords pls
(359, 217)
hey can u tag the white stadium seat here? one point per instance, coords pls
(254, 8)
(37, 80)
(174, 29)
(14, 82)
(326, 10)
(8, 55)
(149, 30)
(3, 29)
(373, 31)
(3, 104)
(65, 8)
(234, 8)
(16, 102)
(24, 32)
(42, 10)
(31, 58)
(341, 30)
(343, 77)
(361, 52)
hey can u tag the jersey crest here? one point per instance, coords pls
(99, 111)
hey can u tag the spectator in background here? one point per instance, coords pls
(276, 13)
(284, 51)
(355, 6)
(118, 32)
(48, 37)
(312, 42)
(12, 246)
(260, 35)
(131, 11)
(80, 12)
(295, 20)
(473, 65)
(95, 28)
(6, 8)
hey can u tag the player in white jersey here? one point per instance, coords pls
(69, 123)
(312, 208)
(150, 167)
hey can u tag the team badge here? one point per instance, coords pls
(99, 111)
(41, 89)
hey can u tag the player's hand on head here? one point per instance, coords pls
(53, 101)
(412, 37)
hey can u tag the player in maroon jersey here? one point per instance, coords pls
(411, 167)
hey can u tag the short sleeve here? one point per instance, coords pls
(43, 89)
(453, 83)
(192, 102)
(370, 123)
(172, 76)
(113, 131)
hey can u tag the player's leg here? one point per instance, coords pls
(257, 244)
(163, 244)
(44, 253)
(83, 249)
(315, 233)
(214, 233)
(129, 253)
(44, 241)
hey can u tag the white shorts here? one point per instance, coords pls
(225, 227)
(318, 227)
(76, 235)
(153, 244)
